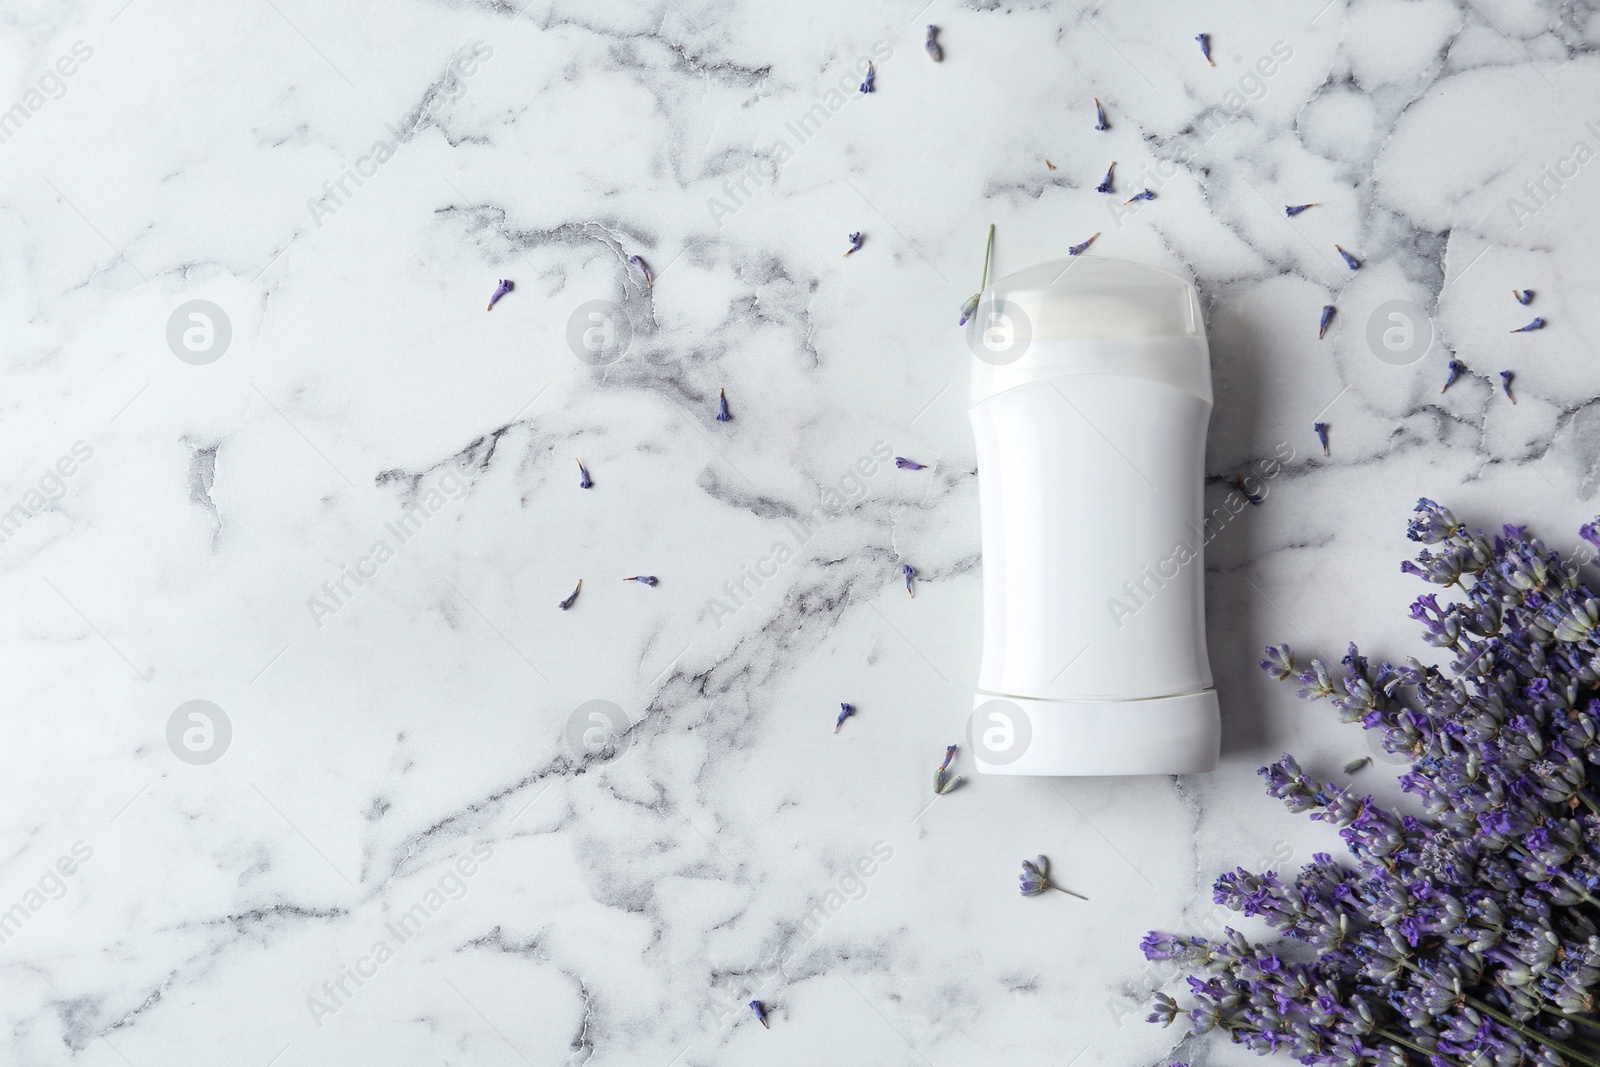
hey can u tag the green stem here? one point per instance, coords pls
(1532, 1035)
(987, 251)
(1068, 892)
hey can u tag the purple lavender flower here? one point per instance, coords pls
(908, 465)
(872, 73)
(644, 579)
(845, 711)
(969, 308)
(1143, 194)
(931, 45)
(1322, 325)
(1100, 122)
(1523, 296)
(1350, 261)
(1455, 368)
(1291, 210)
(639, 264)
(1505, 384)
(942, 781)
(909, 572)
(505, 286)
(1105, 183)
(1035, 879)
(1204, 40)
(584, 481)
(760, 1013)
(1078, 250)
(1321, 430)
(722, 406)
(573, 599)
(1536, 324)
(855, 243)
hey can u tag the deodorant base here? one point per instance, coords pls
(1071, 738)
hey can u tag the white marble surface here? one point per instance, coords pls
(612, 906)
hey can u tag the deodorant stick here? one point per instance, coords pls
(1091, 393)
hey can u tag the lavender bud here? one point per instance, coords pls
(855, 243)
(1327, 317)
(567, 603)
(1100, 122)
(761, 1013)
(1350, 261)
(1204, 40)
(872, 73)
(942, 782)
(1291, 210)
(1105, 183)
(935, 53)
(845, 711)
(722, 406)
(644, 579)
(1321, 429)
(583, 476)
(638, 263)
(1536, 324)
(908, 465)
(910, 572)
(1455, 368)
(1505, 384)
(1279, 662)
(505, 286)
(1356, 764)
(1523, 296)
(1144, 194)
(1078, 250)
(968, 308)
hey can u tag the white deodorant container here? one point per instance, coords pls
(1091, 392)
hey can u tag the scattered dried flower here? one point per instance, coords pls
(722, 406)
(1455, 369)
(971, 303)
(1536, 324)
(908, 465)
(644, 579)
(1105, 183)
(845, 711)
(505, 286)
(1100, 122)
(942, 782)
(1204, 40)
(1505, 384)
(872, 73)
(761, 1013)
(935, 53)
(1321, 429)
(567, 603)
(1035, 879)
(644, 270)
(583, 476)
(1291, 210)
(855, 243)
(1327, 317)
(1350, 261)
(1523, 296)
(1356, 764)
(910, 573)
(1078, 250)
(1143, 194)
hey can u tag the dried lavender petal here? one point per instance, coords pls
(505, 286)
(1536, 324)
(1350, 261)
(1523, 296)
(1321, 429)
(1143, 194)
(1100, 122)
(908, 465)
(573, 599)
(644, 579)
(1327, 317)
(968, 308)
(935, 53)
(1291, 210)
(760, 1013)
(1505, 384)
(1204, 40)
(639, 264)
(1078, 250)
(1105, 183)
(583, 476)
(872, 73)
(910, 573)
(1455, 368)
(855, 243)
(1357, 764)
(722, 406)
(845, 711)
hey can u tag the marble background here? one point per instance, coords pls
(201, 891)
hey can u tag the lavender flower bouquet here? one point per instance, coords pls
(1465, 934)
